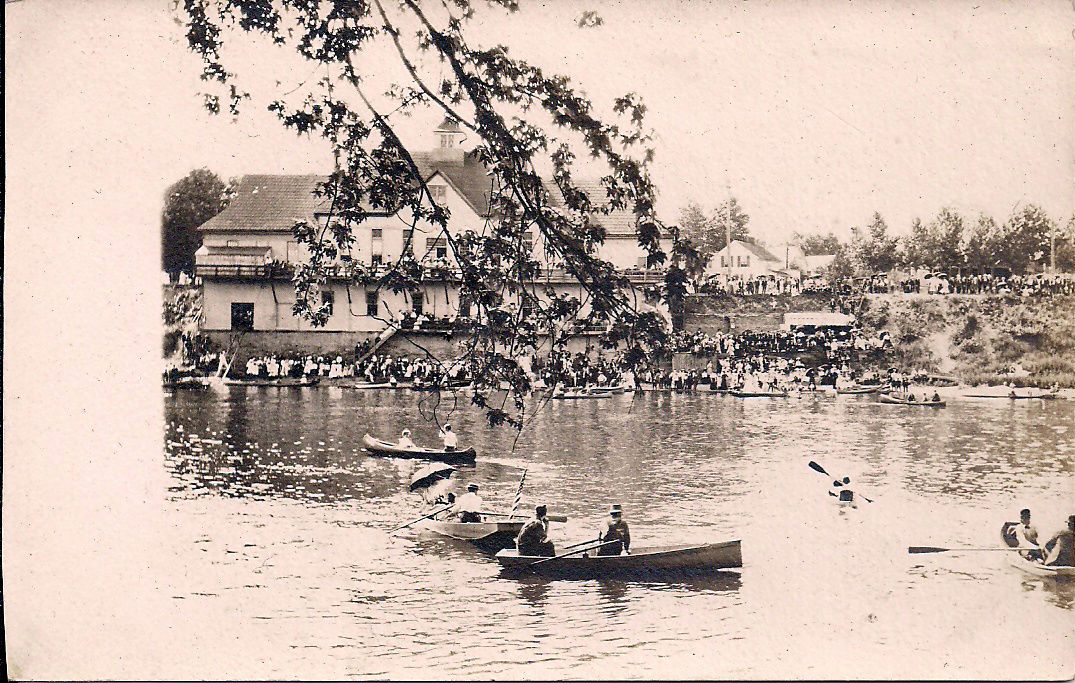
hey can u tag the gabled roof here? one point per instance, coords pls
(755, 249)
(276, 202)
(448, 125)
(469, 178)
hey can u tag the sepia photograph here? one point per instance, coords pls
(519, 340)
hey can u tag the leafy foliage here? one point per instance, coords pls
(518, 115)
(816, 245)
(709, 234)
(188, 203)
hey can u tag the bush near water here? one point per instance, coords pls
(1028, 341)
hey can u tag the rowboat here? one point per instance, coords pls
(372, 385)
(667, 562)
(580, 394)
(618, 389)
(759, 394)
(489, 534)
(281, 382)
(1013, 396)
(1029, 566)
(860, 390)
(377, 447)
(892, 400)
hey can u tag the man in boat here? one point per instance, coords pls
(911, 398)
(405, 440)
(936, 397)
(469, 505)
(615, 529)
(1061, 547)
(451, 441)
(533, 539)
(1026, 534)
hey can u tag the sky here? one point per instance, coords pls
(813, 114)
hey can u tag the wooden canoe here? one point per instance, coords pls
(580, 394)
(383, 448)
(1029, 566)
(1016, 397)
(859, 390)
(892, 400)
(489, 534)
(666, 562)
(281, 382)
(759, 394)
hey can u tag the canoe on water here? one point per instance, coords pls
(377, 447)
(282, 382)
(892, 400)
(491, 534)
(1016, 397)
(759, 394)
(1029, 566)
(859, 390)
(665, 562)
(581, 394)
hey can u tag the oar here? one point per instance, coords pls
(431, 514)
(919, 549)
(551, 518)
(818, 468)
(574, 552)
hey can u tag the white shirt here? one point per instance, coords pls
(405, 442)
(450, 439)
(469, 502)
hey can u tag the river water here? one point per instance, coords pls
(284, 567)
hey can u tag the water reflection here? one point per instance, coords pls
(284, 471)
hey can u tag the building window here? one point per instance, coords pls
(464, 307)
(746, 262)
(446, 140)
(408, 235)
(642, 261)
(327, 300)
(371, 304)
(438, 246)
(376, 259)
(242, 316)
(439, 192)
(723, 262)
(418, 302)
(377, 233)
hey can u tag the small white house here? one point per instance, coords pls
(745, 259)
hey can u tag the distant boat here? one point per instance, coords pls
(1012, 396)
(580, 393)
(759, 394)
(384, 448)
(274, 382)
(867, 389)
(893, 400)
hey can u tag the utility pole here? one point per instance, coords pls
(728, 231)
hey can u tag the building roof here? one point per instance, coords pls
(448, 125)
(755, 249)
(818, 319)
(276, 202)
(469, 178)
(269, 202)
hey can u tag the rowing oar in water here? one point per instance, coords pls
(574, 552)
(818, 468)
(919, 549)
(431, 514)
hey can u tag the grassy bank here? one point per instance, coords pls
(1029, 341)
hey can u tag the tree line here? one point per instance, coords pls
(1028, 241)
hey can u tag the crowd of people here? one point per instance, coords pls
(578, 370)
(961, 283)
(836, 344)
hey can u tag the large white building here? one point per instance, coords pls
(249, 249)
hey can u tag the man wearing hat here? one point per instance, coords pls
(469, 505)
(451, 441)
(533, 539)
(615, 530)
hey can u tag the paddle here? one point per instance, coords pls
(818, 468)
(574, 552)
(551, 518)
(919, 549)
(431, 514)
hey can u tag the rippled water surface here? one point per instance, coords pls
(286, 565)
